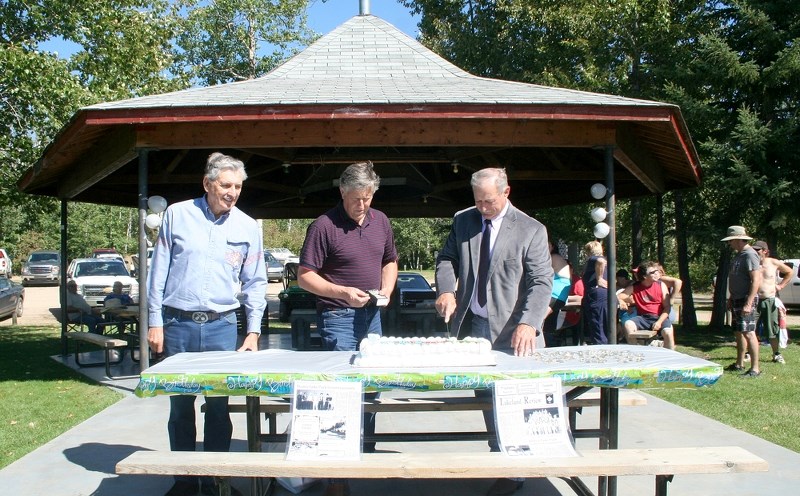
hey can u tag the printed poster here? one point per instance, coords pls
(531, 418)
(326, 421)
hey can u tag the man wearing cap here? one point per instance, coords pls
(744, 279)
(767, 307)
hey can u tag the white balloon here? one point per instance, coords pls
(152, 221)
(157, 204)
(598, 214)
(598, 191)
(601, 230)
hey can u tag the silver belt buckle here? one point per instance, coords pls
(200, 317)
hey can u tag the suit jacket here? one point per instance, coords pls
(520, 274)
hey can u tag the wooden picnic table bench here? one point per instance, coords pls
(663, 463)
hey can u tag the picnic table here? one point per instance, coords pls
(272, 372)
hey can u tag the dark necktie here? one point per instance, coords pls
(483, 266)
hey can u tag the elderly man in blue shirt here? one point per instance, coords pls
(207, 251)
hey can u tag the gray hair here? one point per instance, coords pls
(358, 177)
(218, 162)
(496, 174)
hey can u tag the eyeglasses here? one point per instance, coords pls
(654, 271)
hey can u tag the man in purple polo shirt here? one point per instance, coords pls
(348, 251)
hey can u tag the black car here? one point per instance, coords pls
(12, 296)
(411, 310)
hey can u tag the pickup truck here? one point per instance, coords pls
(5, 263)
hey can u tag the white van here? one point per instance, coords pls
(790, 295)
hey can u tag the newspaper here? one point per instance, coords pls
(326, 421)
(531, 418)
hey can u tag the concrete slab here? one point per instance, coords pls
(82, 460)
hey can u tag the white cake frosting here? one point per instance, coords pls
(379, 351)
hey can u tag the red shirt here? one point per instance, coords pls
(648, 300)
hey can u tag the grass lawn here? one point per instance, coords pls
(42, 398)
(764, 406)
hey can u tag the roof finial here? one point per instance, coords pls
(363, 7)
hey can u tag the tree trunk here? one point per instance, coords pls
(689, 316)
(636, 232)
(720, 308)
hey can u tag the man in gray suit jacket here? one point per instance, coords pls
(520, 275)
(516, 285)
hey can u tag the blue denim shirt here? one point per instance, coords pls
(200, 263)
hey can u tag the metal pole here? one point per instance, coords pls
(611, 396)
(363, 7)
(660, 227)
(144, 348)
(62, 289)
(611, 245)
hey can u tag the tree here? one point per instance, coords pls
(234, 40)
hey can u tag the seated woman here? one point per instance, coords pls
(650, 297)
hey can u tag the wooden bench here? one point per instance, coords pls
(106, 343)
(663, 463)
(643, 336)
(271, 406)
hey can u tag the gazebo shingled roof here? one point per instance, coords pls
(367, 91)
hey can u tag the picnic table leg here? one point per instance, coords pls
(259, 486)
(609, 425)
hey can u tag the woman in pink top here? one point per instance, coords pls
(652, 300)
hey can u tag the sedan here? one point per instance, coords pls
(11, 298)
(274, 267)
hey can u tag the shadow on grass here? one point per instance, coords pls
(704, 338)
(25, 353)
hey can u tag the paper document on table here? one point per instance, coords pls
(531, 418)
(326, 421)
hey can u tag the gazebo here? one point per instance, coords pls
(367, 91)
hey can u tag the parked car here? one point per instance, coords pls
(274, 267)
(42, 267)
(96, 277)
(12, 295)
(790, 295)
(5, 263)
(412, 307)
(283, 254)
(108, 253)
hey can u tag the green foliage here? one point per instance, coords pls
(285, 233)
(418, 241)
(234, 40)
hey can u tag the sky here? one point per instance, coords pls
(323, 17)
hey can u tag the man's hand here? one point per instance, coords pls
(446, 305)
(250, 342)
(523, 340)
(355, 297)
(155, 338)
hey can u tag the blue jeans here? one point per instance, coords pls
(342, 329)
(184, 335)
(93, 322)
